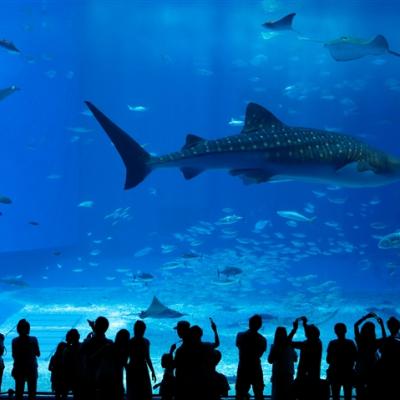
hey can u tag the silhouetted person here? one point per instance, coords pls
(282, 356)
(121, 344)
(220, 385)
(72, 364)
(308, 384)
(138, 378)
(341, 357)
(182, 360)
(389, 370)
(168, 384)
(56, 368)
(2, 351)
(251, 345)
(367, 356)
(25, 350)
(96, 352)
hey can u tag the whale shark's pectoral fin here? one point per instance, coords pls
(356, 167)
(190, 173)
(363, 166)
(251, 176)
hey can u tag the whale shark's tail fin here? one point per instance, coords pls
(133, 155)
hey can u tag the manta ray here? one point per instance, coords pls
(266, 150)
(348, 48)
(283, 24)
(158, 310)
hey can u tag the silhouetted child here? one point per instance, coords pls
(367, 356)
(120, 351)
(252, 345)
(220, 386)
(282, 356)
(168, 383)
(341, 357)
(58, 385)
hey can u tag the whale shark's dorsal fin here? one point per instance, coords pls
(258, 118)
(192, 140)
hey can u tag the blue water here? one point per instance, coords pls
(192, 66)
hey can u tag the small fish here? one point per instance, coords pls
(10, 46)
(230, 271)
(236, 122)
(137, 108)
(167, 248)
(260, 225)
(143, 252)
(143, 276)
(5, 200)
(295, 216)
(51, 73)
(377, 225)
(33, 223)
(86, 204)
(78, 129)
(57, 253)
(229, 219)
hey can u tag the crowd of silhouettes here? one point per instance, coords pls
(98, 368)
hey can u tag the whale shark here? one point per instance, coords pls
(347, 48)
(266, 150)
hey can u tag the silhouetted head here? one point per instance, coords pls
(23, 327)
(280, 337)
(255, 322)
(312, 332)
(367, 331)
(72, 336)
(101, 325)
(216, 357)
(167, 361)
(139, 328)
(2, 337)
(60, 348)
(393, 325)
(122, 337)
(196, 333)
(182, 328)
(340, 330)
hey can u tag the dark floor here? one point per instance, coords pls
(48, 396)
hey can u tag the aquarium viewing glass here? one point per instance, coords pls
(226, 243)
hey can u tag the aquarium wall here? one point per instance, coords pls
(281, 233)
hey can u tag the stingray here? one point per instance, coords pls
(347, 48)
(158, 310)
(283, 24)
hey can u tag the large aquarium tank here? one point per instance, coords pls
(276, 220)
